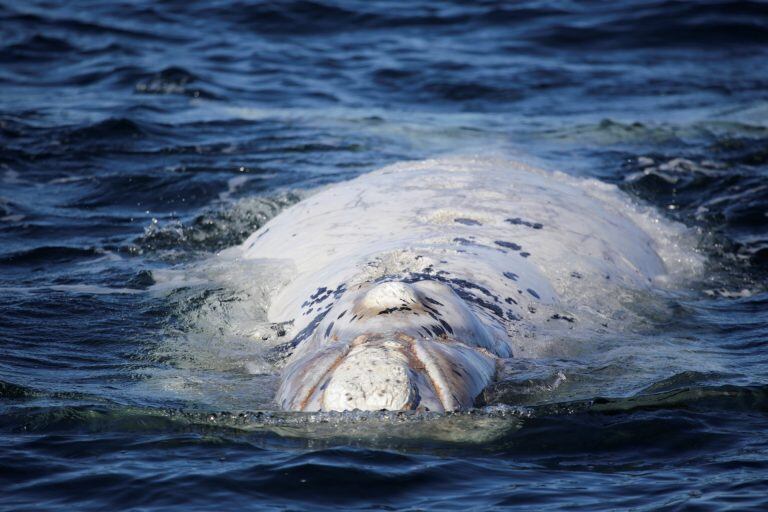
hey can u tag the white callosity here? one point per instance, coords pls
(410, 281)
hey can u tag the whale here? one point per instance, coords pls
(410, 286)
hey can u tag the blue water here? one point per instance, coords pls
(139, 137)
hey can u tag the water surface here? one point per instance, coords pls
(139, 138)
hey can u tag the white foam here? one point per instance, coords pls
(218, 347)
(233, 184)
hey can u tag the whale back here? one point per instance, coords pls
(514, 241)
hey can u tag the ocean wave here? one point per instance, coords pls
(215, 229)
(624, 25)
(489, 424)
(139, 138)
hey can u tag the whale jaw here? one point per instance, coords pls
(397, 373)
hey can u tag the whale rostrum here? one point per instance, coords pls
(393, 346)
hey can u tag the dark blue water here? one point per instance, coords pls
(137, 137)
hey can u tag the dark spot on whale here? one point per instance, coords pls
(433, 301)
(533, 292)
(322, 294)
(456, 283)
(468, 222)
(495, 309)
(319, 292)
(508, 245)
(339, 291)
(568, 319)
(461, 287)
(462, 241)
(341, 315)
(575, 274)
(393, 309)
(511, 275)
(437, 330)
(353, 318)
(463, 283)
(328, 329)
(525, 254)
(457, 372)
(512, 316)
(446, 326)
(308, 330)
(510, 300)
(517, 221)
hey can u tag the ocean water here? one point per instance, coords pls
(138, 139)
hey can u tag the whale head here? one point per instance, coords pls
(393, 346)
